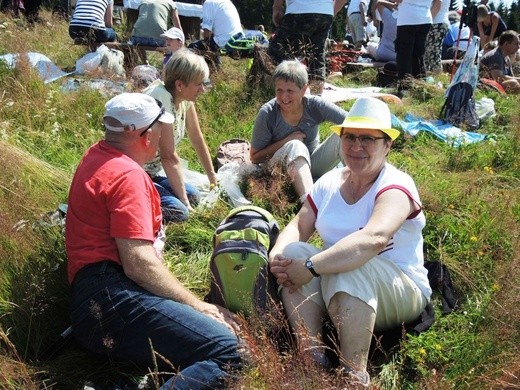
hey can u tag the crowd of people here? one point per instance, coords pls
(419, 34)
(367, 276)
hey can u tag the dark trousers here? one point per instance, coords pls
(410, 47)
(302, 36)
(113, 316)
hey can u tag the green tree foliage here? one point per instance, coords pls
(513, 17)
(255, 12)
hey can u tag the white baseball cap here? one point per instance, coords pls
(368, 113)
(174, 33)
(135, 111)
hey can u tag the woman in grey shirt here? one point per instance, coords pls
(286, 130)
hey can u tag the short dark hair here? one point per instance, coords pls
(507, 37)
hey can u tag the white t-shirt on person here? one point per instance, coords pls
(335, 219)
(325, 7)
(414, 12)
(222, 19)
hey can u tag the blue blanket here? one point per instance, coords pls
(443, 130)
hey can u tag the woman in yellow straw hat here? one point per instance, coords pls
(369, 275)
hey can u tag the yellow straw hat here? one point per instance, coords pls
(368, 113)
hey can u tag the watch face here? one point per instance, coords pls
(308, 263)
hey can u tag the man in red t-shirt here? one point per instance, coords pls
(125, 301)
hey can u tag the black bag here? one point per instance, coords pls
(440, 283)
(241, 281)
(387, 76)
(459, 107)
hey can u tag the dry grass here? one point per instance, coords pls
(14, 372)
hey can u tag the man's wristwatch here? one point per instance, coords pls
(310, 267)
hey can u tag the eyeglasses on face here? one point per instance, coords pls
(364, 140)
(161, 113)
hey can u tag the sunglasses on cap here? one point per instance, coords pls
(161, 113)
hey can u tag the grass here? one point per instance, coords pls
(470, 195)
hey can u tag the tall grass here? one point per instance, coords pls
(470, 195)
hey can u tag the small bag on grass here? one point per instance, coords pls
(233, 150)
(241, 281)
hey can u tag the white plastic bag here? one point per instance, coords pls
(229, 179)
(108, 60)
(89, 62)
(113, 61)
(485, 108)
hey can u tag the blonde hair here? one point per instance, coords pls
(482, 12)
(186, 66)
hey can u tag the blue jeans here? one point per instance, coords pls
(112, 315)
(92, 34)
(173, 209)
(145, 41)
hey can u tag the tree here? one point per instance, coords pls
(255, 12)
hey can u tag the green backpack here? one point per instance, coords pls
(241, 280)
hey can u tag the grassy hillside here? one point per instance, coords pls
(470, 195)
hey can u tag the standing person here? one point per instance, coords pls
(126, 304)
(92, 21)
(357, 21)
(385, 49)
(302, 33)
(435, 37)
(155, 17)
(220, 26)
(490, 25)
(185, 76)
(414, 20)
(286, 129)
(369, 275)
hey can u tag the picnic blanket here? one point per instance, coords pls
(450, 134)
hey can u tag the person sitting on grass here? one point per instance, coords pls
(185, 77)
(125, 302)
(496, 63)
(286, 130)
(384, 50)
(369, 275)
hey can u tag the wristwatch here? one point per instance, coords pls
(310, 267)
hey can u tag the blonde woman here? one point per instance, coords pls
(185, 77)
(490, 25)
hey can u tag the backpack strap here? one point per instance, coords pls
(263, 213)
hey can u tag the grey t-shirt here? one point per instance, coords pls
(495, 60)
(270, 126)
(154, 18)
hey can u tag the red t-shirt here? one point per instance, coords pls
(110, 196)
